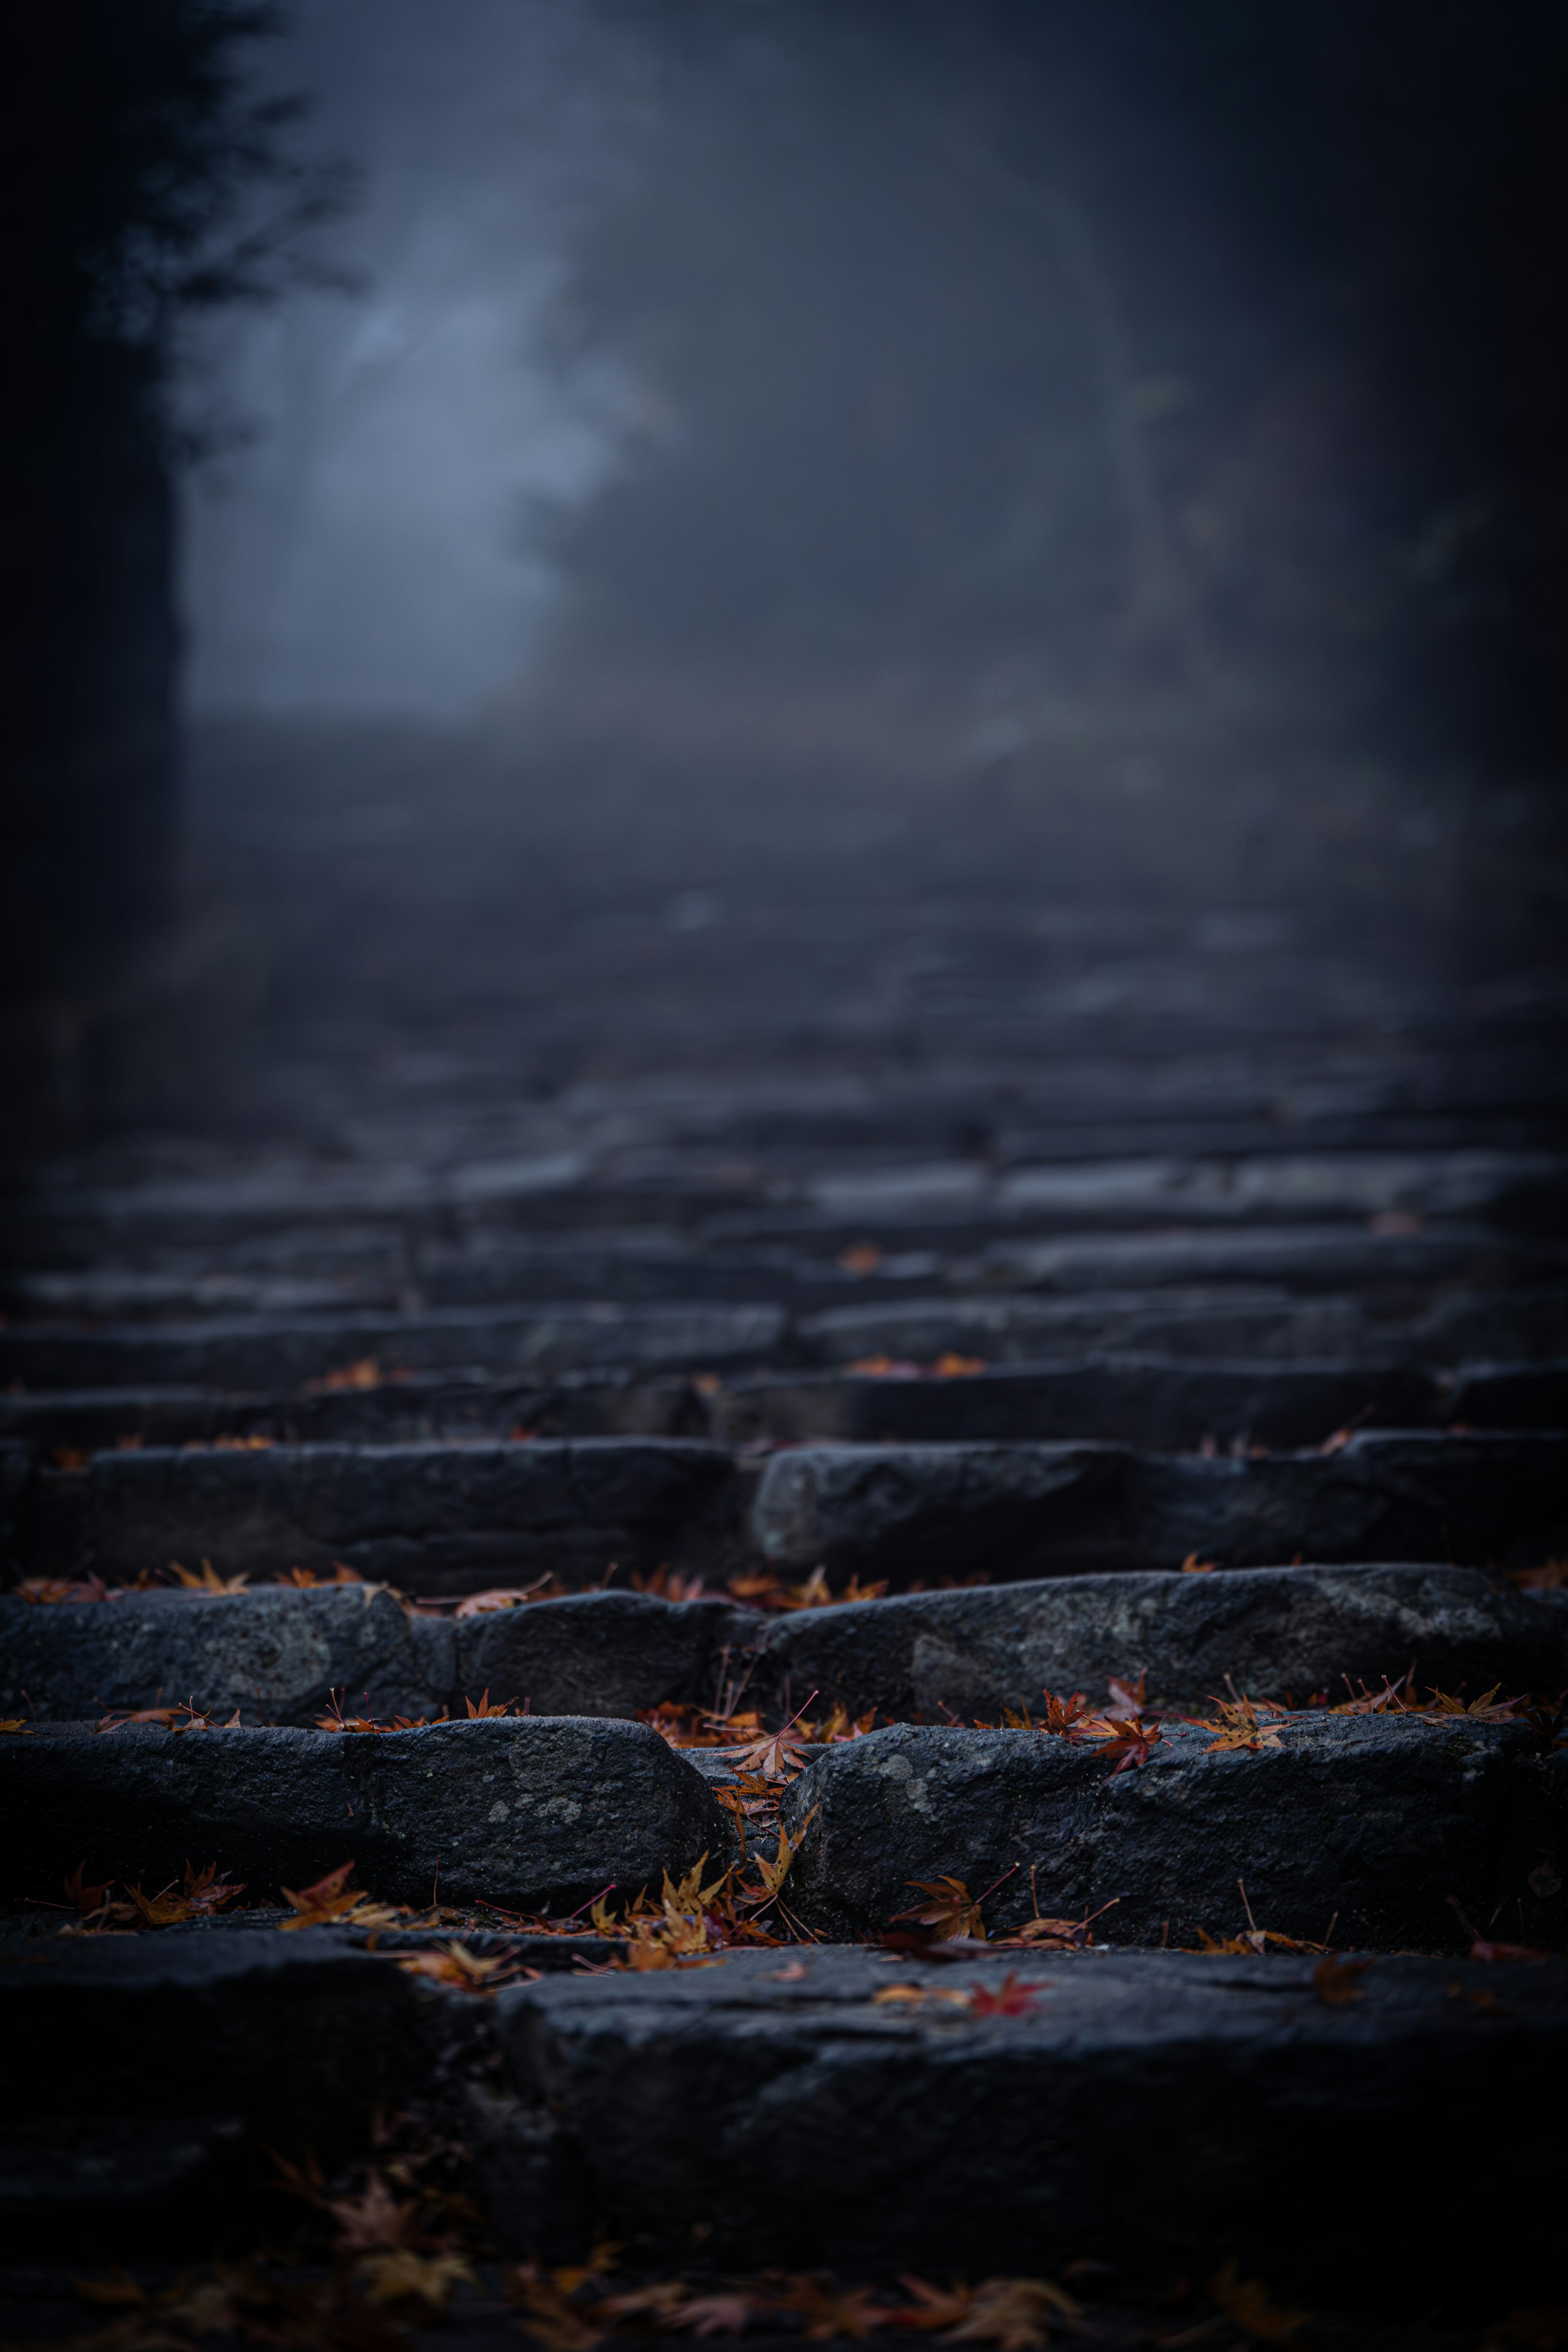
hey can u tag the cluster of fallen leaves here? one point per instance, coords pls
(202, 1894)
(570, 2310)
(46, 1589)
(946, 1367)
(1014, 1997)
(480, 1710)
(1120, 1730)
(402, 2249)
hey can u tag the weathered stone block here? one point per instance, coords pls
(913, 1511)
(430, 1518)
(1148, 2107)
(146, 2077)
(1271, 1630)
(522, 1811)
(1370, 1821)
(282, 1352)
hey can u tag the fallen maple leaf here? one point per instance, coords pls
(716, 2315)
(1128, 1699)
(1058, 1934)
(331, 1900)
(829, 2310)
(862, 1257)
(209, 1580)
(466, 1972)
(552, 2318)
(1129, 1741)
(1064, 1717)
(364, 1372)
(1235, 1724)
(935, 2306)
(776, 1756)
(949, 1907)
(1194, 1566)
(85, 1898)
(406, 2276)
(1012, 1997)
(483, 1711)
(1015, 2314)
(657, 2302)
(1337, 1981)
(770, 1876)
(501, 1596)
(1246, 2302)
(204, 1893)
(376, 2221)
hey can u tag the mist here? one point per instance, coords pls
(354, 542)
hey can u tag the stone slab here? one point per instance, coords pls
(1301, 1257)
(1369, 1820)
(431, 1518)
(144, 2078)
(1273, 1630)
(1248, 1321)
(280, 1656)
(283, 1351)
(522, 1811)
(1159, 1402)
(277, 1655)
(923, 1512)
(1150, 2110)
(1242, 1322)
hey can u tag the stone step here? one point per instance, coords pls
(804, 2121)
(285, 2042)
(945, 2137)
(283, 1352)
(445, 1518)
(1374, 1821)
(1157, 1403)
(431, 1518)
(1280, 1633)
(443, 1211)
(279, 1655)
(1246, 1322)
(1297, 1258)
(527, 1813)
(241, 1353)
(930, 1511)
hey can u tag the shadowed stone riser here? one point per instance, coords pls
(148, 2078)
(908, 1512)
(455, 1518)
(280, 1656)
(940, 2143)
(276, 1353)
(1155, 1403)
(412, 1207)
(1374, 1821)
(1313, 1258)
(428, 1518)
(526, 1813)
(946, 2146)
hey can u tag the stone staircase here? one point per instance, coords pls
(984, 1538)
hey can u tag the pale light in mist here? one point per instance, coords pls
(364, 552)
